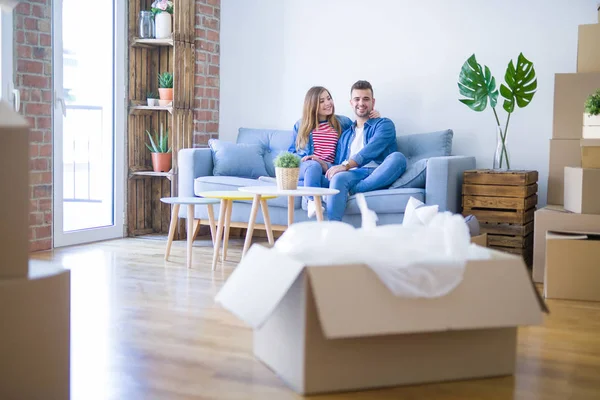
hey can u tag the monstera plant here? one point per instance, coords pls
(478, 85)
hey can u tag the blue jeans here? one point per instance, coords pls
(362, 180)
(312, 175)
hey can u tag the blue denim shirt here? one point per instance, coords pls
(309, 150)
(380, 142)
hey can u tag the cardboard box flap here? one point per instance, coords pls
(257, 285)
(352, 301)
(589, 142)
(10, 118)
(572, 235)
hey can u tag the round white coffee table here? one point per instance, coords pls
(192, 226)
(259, 191)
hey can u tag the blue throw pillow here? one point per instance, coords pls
(237, 159)
(414, 176)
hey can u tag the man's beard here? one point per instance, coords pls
(364, 114)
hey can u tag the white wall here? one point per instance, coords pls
(272, 51)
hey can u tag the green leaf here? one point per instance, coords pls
(477, 84)
(521, 84)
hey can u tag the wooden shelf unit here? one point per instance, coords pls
(146, 214)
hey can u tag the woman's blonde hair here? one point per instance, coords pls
(310, 116)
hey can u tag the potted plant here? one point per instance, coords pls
(152, 99)
(162, 10)
(591, 116)
(287, 170)
(165, 88)
(479, 86)
(161, 153)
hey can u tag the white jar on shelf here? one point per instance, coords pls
(162, 25)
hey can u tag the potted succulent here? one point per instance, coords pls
(478, 85)
(591, 116)
(287, 170)
(161, 153)
(165, 88)
(152, 99)
(162, 10)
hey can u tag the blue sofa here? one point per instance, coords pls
(433, 176)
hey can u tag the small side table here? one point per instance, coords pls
(227, 198)
(260, 193)
(504, 203)
(191, 229)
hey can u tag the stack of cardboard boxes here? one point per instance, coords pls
(566, 245)
(34, 300)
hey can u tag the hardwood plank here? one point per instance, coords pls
(161, 335)
(501, 216)
(496, 177)
(500, 202)
(500, 190)
(510, 241)
(506, 229)
(165, 209)
(155, 203)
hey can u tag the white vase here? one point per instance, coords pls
(162, 25)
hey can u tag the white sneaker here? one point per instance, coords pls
(311, 208)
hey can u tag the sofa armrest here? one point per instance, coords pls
(443, 185)
(192, 163)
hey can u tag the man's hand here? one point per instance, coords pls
(374, 114)
(334, 170)
(317, 159)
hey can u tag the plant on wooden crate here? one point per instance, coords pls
(161, 157)
(165, 88)
(287, 170)
(592, 103)
(479, 86)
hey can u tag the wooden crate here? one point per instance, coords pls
(504, 203)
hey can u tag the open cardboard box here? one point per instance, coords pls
(338, 328)
(572, 266)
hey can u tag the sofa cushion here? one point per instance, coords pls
(386, 201)
(273, 141)
(425, 145)
(211, 183)
(414, 176)
(237, 159)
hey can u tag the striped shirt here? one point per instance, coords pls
(325, 140)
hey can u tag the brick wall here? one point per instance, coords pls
(33, 54)
(206, 113)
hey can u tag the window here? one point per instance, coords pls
(6, 56)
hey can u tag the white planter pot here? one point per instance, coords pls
(152, 102)
(591, 126)
(162, 25)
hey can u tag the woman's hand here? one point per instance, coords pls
(317, 159)
(374, 114)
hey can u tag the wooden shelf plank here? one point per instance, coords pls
(168, 175)
(137, 42)
(138, 109)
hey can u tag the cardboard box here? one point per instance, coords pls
(556, 218)
(590, 153)
(588, 56)
(338, 328)
(582, 190)
(570, 92)
(35, 345)
(591, 126)
(563, 153)
(14, 208)
(572, 266)
(480, 240)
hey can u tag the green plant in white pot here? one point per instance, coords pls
(287, 170)
(591, 116)
(479, 86)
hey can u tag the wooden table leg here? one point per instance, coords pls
(251, 222)
(211, 221)
(227, 224)
(318, 205)
(290, 210)
(172, 226)
(190, 233)
(219, 233)
(267, 218)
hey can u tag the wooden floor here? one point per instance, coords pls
(143, 328)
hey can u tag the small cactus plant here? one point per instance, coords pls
(165, 80)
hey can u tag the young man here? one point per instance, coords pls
(367, 156)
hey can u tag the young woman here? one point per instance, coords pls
(315, 138)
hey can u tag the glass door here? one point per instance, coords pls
(89, 120)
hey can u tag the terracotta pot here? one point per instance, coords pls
(161, 162)
(165, 94)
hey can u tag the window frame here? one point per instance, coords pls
(6, 56)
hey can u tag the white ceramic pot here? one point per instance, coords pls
(162, 25)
